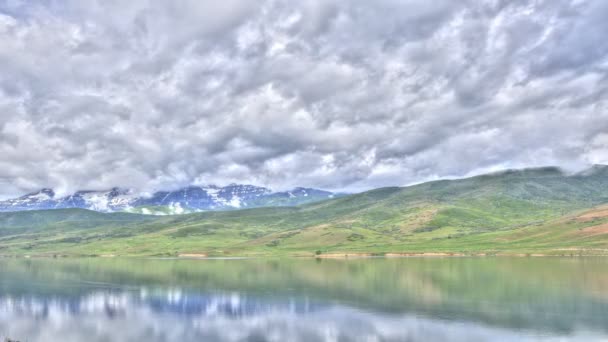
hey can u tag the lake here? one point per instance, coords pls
(377, 299)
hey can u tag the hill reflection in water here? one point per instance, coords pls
(443, 299)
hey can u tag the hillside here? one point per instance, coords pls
(524, 211)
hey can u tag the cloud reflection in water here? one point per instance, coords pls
(176, 316)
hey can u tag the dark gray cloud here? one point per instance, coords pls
(341, 95)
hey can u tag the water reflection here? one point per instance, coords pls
(261, 300)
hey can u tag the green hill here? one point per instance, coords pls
(521, 211)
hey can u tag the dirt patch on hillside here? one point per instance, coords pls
(343, 255)
(419, 219)
(594, 230)
(193, 255)
(425, 254)
(593, 214)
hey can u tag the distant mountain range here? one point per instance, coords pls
(185, 200)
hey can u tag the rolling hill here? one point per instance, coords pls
(531, 211)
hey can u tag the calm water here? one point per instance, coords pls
(414, 299)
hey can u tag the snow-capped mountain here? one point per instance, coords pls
(189, 199)
(111, 200)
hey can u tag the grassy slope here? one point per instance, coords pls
(529, 211)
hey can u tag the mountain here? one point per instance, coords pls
(531, 211)
(189, 199)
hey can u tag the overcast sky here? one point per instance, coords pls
(342, 95)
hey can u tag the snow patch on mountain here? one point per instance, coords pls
(96, 201)
(41, 196)
(235, 202)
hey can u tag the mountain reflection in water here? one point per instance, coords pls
(303, 300)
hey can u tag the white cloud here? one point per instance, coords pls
(161, 94)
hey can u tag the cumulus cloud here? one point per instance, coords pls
(340, 95)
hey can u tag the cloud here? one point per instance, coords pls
(347, 96)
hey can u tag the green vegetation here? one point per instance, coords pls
(535, 211)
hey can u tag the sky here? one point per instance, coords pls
(339, 95)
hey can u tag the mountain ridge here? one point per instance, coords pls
(187, 199)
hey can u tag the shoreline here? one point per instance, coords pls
(328, 255)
